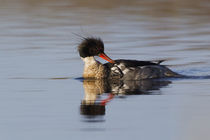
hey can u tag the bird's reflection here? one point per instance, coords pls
(99, 92)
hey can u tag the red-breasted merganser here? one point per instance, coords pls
(118, 69)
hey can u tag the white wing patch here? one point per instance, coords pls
(121, 66)
(125, 71)
(114, 68)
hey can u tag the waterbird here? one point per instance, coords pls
(120, 69)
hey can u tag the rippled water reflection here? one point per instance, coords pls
(40, 99)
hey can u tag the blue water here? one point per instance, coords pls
(40, 97)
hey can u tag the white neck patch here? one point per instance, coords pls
(89, 60)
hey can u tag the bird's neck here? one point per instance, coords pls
(93, 68)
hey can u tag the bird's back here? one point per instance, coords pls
(137, 70)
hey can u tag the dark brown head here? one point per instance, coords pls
(92, 47)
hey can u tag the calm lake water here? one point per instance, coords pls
(41, 99)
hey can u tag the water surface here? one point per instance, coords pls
(40, 98)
